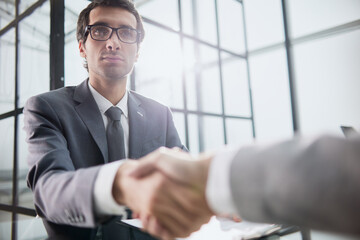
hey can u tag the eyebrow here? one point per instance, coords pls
(106, 24)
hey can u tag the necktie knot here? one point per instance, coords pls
(114, 113)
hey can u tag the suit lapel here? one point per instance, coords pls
(91, 116)
(136, 127)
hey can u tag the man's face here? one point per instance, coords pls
(110, 59)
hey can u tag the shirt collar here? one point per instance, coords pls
(105, 104)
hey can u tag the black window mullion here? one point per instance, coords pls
(289, 57)
(220, 70)
(21, 16)
(16, 105)
(198, 82)
(57, 43)
(186, 122)
(248, 72)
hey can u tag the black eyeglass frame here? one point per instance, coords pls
(88, 31)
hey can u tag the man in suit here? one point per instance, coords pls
(70, 137)
(310, 182)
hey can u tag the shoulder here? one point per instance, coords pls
(54, 98)
(63, 92)
(146, 102)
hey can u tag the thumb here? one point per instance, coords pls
(143, 169)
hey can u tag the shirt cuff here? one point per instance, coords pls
(218, 190)
(105, 203)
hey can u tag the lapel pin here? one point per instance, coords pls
(140, 113)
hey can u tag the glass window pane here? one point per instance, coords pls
(163, 11)
(327, 79)
(231, 26)
(159, 68)
(187, 16)
(236, 87)
(193, 121)
(308, 16)
(25, 4)
(190, 73)
(5, 225)
(264, 23)
(213, 133)
(75, 73)
(191, 87)
(24, 193)
(179, 121)
(34, 53)
(7, 12)
(72, 10)
(7, 71)
(206, 20)
(209, 78)
(271, 95)
(238, 131)
(6, 159)
(30, 228)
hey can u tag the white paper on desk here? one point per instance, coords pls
(248, 230)
(133, 222)
(225, 229)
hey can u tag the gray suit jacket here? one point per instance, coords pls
(307, 182)
(67, 146)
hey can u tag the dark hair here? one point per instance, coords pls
(128, 5)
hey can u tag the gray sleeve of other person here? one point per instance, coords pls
(306, 182)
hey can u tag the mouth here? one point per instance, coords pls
(112, 59)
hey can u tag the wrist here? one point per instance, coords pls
(203, 170)
(204, 162)
(118, 185)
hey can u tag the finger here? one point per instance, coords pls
(187, 197)
(155, 228)
(143, 170)
(236, 218)
(177, 149)
(173, 228)
(135, 215)
(191, 204)
(145, 221)
(175, 222)
(147, 164)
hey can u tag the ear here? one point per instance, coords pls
(137, 56)
(82, 49)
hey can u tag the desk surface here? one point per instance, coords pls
(32, 228)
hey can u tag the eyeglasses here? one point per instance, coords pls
(103, 33)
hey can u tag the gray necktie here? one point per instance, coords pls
(115, 134)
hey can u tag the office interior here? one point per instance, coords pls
(232, 71)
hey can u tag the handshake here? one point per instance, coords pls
(166, 191)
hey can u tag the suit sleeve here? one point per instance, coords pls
(62, 194)
(307, 182)
(172, 136)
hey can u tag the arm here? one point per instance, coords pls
(172, 136)
(307, 182)
(61, 193)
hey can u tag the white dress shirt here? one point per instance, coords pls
(218, 189)
(105, 203)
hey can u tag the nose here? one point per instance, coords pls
(113, 43)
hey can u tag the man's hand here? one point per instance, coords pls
(176, 205)
(177, 165)
(167, 208)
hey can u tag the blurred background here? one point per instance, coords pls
(232, 72)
